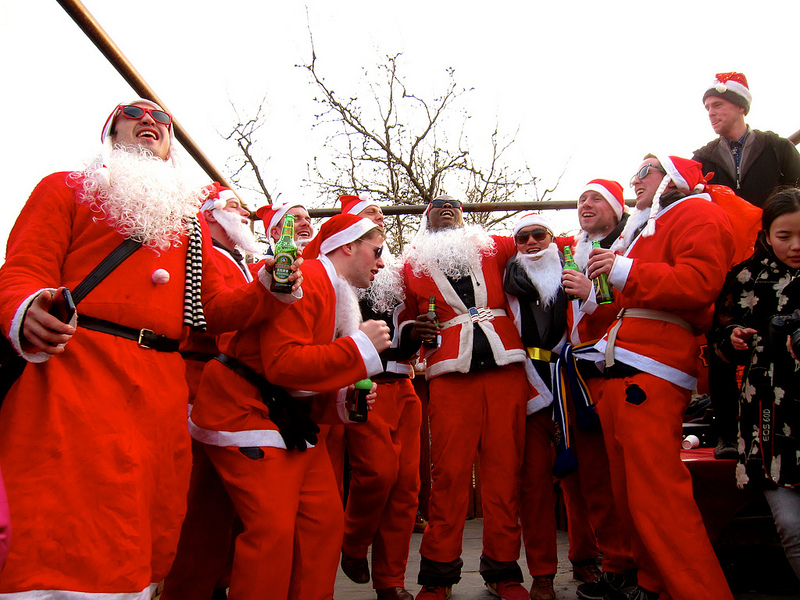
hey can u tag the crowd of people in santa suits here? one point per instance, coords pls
(528, 372)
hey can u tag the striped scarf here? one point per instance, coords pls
(193, 316)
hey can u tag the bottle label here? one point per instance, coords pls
(282, 269)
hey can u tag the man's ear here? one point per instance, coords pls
(349, 249)
(275, 232)
(209, 215)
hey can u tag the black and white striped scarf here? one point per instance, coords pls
(192, 296)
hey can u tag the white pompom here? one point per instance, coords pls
(160, 276)
(219, 204)
(721, 88)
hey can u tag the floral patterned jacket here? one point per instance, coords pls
(769, 401)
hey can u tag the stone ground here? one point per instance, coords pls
(755, 573)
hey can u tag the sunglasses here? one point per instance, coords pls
(440, 203)
(378, 249)
(130, 111)
(538, 235)
(645, 170)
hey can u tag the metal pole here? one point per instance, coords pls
(98, 36)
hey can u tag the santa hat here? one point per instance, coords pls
(610, 190)
(355, 204)
(731, 87)
(336, 232)
(530, 219)
(685, 173)
(218, 196)
(272, 214)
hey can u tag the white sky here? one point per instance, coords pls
(590, 85)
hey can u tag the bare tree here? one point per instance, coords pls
(404, 149)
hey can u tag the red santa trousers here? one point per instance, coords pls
(205, 541)
(384, 484)
(476, 414)
(642, 424)
(538, 497)
(582, 541)
(292, 514)
(613, 533)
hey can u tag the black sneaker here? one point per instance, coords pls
(608, 583)
(726, 449)
(632, 593)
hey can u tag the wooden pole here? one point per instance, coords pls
(98, 36)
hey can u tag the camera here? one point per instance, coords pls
(781, 326)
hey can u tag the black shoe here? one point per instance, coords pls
(726, 449)
(608, 583)
(357, 569)
(632, 593)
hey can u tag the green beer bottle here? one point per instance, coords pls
(433, 342)
(603, 292)
(359, 410)
(285, 255)
(569, 263)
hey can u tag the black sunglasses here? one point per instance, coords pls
(378, 249)
(539, 235)
(440, 203)
(645, 170)
(137, 112)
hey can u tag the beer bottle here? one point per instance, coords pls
(358, 412)
(434, 341)
(285, 255)
(602, 289)
(569, 263)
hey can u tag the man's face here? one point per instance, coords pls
(532, 239)
(365, 261)
(235, 207)
(374, 214)
(303, 229)
(445, 216)
(595, 214)
(725, 116)
(645, 187)
(144, 132)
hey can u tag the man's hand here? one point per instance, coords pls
(741, 337)
(43, 331)
(424, 328)
(576, 283)
(600, 261)
(297, 275)
(378, 334)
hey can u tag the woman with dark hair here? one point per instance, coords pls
(756, 290)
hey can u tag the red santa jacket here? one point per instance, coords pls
(678, 270)
(455, 351)
(297, 351)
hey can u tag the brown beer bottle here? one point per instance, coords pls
(434, 341)
(603, 292)
(285, 255)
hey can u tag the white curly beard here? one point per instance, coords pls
(544, 272)
(237, 231)
(147, 199)
(386, 290)
(454, 251)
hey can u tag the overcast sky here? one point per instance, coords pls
(591, 86)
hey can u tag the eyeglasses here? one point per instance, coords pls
(130, 111)
(645, 170)
(378, 249)
(440, 203)
(538, 235)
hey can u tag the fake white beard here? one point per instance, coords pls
(238, 232)
(147, 199)
(386, 290)
(348, 313)
(544, 272)
(636, 219)
(453, 251)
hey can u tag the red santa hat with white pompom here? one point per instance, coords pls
(355, 204)
(685, 173)
(336, 232)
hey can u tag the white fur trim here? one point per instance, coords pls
(362, 205)
(370, 356)
(279, 214)
(530, 219)
(238, 439)
(650, 365)
(620, 271)
(145, 594)
(15, 332)
(346, 235)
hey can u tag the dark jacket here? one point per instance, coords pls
(768, 161)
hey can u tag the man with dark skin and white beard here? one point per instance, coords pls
(477, 395)
(93, 435)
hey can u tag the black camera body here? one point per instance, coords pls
(781, 326)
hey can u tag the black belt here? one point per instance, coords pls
(144, 337)
(198, 356)
(244, 371)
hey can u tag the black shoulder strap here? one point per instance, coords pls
(101, 271)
